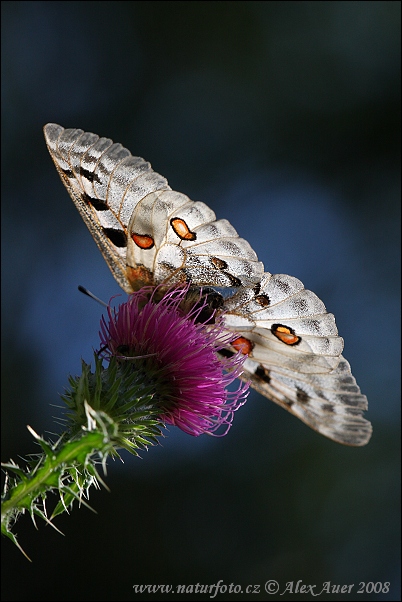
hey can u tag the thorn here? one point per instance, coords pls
(14, 540)
(33, 433)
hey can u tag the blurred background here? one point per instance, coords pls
(284, 117)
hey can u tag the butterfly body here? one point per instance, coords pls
(152, 235)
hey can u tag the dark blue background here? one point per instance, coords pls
(284, 118)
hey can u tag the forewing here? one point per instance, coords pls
(105, 182)
(147, 233)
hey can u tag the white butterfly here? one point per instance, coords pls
(150, 234)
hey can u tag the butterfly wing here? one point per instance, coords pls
(150, 234)
(294, 357)
(331, 404)
(147, 233)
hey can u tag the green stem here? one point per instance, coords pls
(108, 410)
(49, 474)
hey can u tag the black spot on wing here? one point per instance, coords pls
(117, 237)
(219, 264)
(97, 204)
(262, 300)
(226, 353)
(302, 396)
(263, 374)
(233, 280)
(67, 172)
(90, 175)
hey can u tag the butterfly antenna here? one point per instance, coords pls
(84, 290)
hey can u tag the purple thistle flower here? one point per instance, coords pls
(180, 357)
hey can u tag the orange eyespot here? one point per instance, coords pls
(285, 334)
(181, 229)
(144, 241)
(244, 345)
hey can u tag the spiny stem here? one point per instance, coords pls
(107, 410)
(49, 475)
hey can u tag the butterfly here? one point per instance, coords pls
(150, 234)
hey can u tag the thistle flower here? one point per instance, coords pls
(164, 367)
(179, 356)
